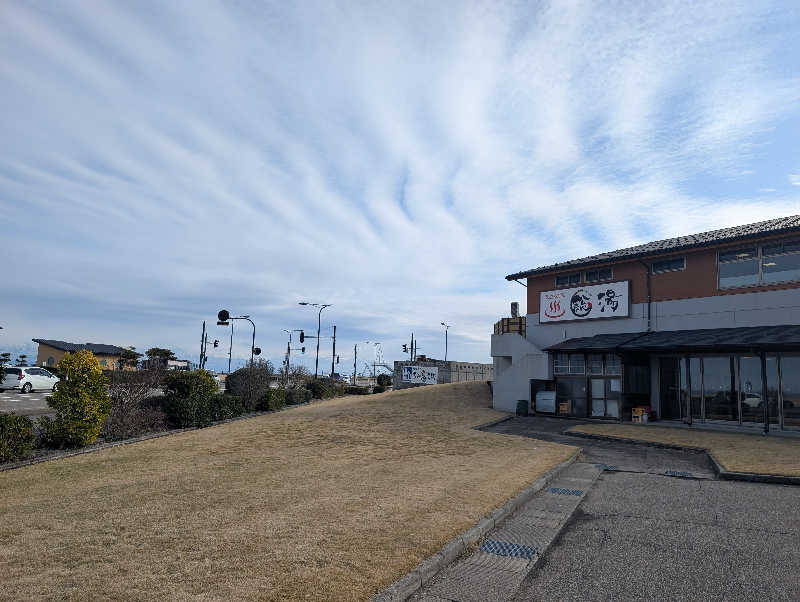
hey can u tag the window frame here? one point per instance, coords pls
(759, 257)
(653, 269)
(568, 276)
(599, 279)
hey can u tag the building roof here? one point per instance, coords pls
(658, 247)
(96, 348)
(744, 339)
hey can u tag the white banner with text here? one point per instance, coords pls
(607, 300)
(420, 375)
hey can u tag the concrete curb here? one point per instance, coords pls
(61, 454)
(480, 427)
(409, 584)
(721, 472)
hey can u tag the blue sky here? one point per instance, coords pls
(160, 161)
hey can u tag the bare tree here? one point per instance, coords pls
(130, 416)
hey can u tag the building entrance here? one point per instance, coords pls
(670, 389)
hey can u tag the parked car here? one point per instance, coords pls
(28, 379)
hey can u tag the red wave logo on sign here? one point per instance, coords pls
(554, 309)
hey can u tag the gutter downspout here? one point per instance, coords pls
(649, 296)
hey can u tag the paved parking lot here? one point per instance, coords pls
(642, 535)
(29, 404)
(650, 537)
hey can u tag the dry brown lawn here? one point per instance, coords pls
(331, 501)
(737, 453)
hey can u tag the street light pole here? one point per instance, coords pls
(319, 324)
(230, 350)
(333, 357)
(446, 327)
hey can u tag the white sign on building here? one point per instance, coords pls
(608, 300)
(420, 375)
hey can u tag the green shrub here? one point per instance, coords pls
(250, 383)
(272, 400)
(322, 388)
(81, 402)
(188, 399)
(16, 437)
(378, 389)
(297, 396)
(225, 406)
(384, 380)
(356, 391)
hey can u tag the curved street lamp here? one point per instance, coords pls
(319, 322)
(224, 316)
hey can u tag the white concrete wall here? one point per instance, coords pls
(517, 360)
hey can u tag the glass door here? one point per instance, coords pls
(790, 391)
(718, 389)
(751, 394)
(670, 387)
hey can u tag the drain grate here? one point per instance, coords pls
(560, 491)
(606, 466)
(506, 548)
(678, 473)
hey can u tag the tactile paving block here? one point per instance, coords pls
(561, 491)
(507, 548)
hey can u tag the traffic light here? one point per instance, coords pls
(302, 336)
(256, 350)
(216, 342)
(337, 359)
(302, 349)
(223, 315)
(405, 348)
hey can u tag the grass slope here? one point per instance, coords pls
(331, 501)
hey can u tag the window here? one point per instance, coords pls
(568, 279)
(613, 364)
(739, 267)
(596, 363)
(51, 360)
(569, 363)
(768, 264)
(780, 262)
(103, 363)
(561, 363)
(673, 264)
(598, 275)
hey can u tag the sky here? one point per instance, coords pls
(160, 161)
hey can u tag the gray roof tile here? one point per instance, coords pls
(773, 226)
(97, 348)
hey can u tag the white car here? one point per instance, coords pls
(28, 379)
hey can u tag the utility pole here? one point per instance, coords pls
(412, 346)
(333, 357)
(202, 344)
(355, 362)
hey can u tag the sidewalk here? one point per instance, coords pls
(510, 552)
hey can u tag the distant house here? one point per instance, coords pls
(51, 352)
(161, 363)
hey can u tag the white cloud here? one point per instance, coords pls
(794, 179)
(395, 160)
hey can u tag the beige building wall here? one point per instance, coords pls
(50, 356)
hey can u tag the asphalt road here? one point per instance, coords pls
(29, 404)
(640, 535)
